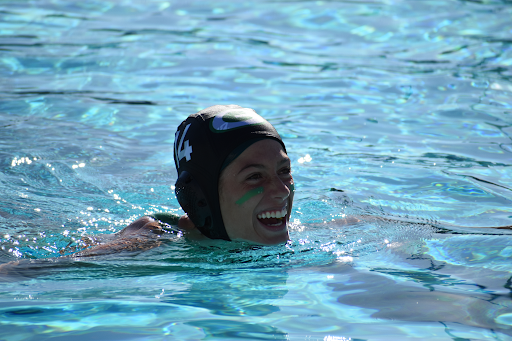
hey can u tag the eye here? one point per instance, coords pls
(285, 171)
(254, 176)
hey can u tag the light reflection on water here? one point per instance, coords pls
(392, 108)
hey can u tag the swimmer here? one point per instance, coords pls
(234, 176)
(234, 183)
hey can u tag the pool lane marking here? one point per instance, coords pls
(253, 192)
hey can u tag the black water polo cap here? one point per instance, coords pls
(205, 143)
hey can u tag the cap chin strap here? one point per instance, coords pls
(195, 203)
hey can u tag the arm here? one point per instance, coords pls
(142, 234)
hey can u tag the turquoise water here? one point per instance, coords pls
(398, 109)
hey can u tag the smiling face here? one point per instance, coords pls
(256, 194)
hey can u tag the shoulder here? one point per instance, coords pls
(183, 222)
(140, 226)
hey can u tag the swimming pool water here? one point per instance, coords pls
(399, 109)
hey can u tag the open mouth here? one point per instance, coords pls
(273, 218)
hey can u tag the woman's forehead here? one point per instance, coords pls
(262, 152)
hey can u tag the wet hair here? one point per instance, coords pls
(206, 143)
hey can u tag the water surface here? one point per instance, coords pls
(399, 109)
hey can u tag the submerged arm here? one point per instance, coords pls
(140, 235)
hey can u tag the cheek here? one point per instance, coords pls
(238, 214)
(292, 187)
(290, 198)
(236, 210)
(249, 195)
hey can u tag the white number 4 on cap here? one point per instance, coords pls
(186, 151)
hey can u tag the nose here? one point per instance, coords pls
(278, 189)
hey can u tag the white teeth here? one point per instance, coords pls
(274, 214)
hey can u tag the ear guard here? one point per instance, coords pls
(194, 202)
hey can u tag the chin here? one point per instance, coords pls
(270, 234)
(274, 239)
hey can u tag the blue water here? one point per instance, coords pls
(396, 109)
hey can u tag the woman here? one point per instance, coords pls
(234, 183)
(234, 177)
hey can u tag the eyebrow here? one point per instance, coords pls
(261, 166)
